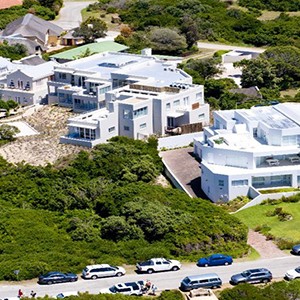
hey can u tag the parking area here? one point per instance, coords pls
(185, 169)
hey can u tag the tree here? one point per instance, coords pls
(206, 68)
(286, 62)
(91, 29)
(258, 72)
(166, 40)
(189, 28)
(8, 132)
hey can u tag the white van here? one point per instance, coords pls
(211, 280)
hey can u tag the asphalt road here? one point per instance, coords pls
(164, 280)
(70, 14)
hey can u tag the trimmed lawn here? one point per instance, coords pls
(256, 215)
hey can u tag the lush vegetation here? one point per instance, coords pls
(14, 52)
(165, 295)
(277, 219)
(211, 20)
(277, 290)
(103, 207)
(46, 9)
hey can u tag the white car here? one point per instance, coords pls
(128, 288)
(104, 270)
(292, 274)
(157, 265)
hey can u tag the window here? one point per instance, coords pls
(221, 182)
(126, 114)
(143, 125)
(239, 182)
(62, 76)
(140, 112)
(176, 103)
(126, 128)
(186, 101)
(168, 106)
(93, 134)
(199, 96)
(111, 129)
(201, 116)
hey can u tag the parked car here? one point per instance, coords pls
(57, 277)
(157, 265)
(260, 275)
(129, 288)
(296, 249)
(211, 280)
(292, 274)
(104, 270)
(215, 260)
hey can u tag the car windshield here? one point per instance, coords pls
(186, 280)
(246, 274)
(85, 269)
(113, 289)
(116, 268)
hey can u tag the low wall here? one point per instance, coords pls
(178, 141)
(274, 196)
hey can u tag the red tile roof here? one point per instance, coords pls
(9, 3)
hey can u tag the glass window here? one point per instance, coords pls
(186, 101)
(239, 182)
(199, 96)
(168, 106)
(201, 116)
(221, 182)
(126, 114)
(126, 128)
(143, 125)
(112, 129)
(140, 112)
(176, 103)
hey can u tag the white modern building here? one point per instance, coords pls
(125, 94)
(246, 149)
(25, 84)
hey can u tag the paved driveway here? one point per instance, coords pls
(186, 169)
(70, 14)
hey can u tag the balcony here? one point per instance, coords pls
(291, 160)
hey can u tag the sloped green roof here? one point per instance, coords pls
(93, 47)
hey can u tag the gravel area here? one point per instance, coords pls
(44, 148)
(266, 249)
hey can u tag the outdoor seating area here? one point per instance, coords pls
(272, 161)
(294, 159)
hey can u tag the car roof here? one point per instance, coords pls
(258, 270)
(98, 266)
(52, 273)
(218, 254)
(209, 275)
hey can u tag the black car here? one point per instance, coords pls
(260, 275)
(57, 277)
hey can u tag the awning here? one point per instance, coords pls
(175, 114)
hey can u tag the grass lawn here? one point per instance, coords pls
(256, 215)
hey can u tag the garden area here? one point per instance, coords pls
(279, 220)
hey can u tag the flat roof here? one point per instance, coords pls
(280, 116)
(114, 64)
(133, 100)
(93, 47)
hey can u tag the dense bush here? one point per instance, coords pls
(212, 20)
(104, 207)
(277, 290)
